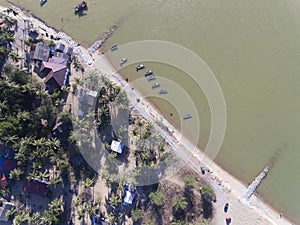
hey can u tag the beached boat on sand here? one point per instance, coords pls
(81, 6)
(155, 85)
(187, 116)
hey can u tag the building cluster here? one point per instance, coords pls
(53, 64)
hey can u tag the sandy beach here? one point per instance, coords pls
(228, 189)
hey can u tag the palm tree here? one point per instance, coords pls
(21, 218)
(134, 132)
(51, 43)
(87, 183)
(178, 222)
(106, 145)
(78, 81)
(136, 214)
(14, 57)
(157, 198)
(189, 181)
(113, 218)
(180, 203)
(103, 111)
(35, 218)
(56, 206)
(207, 192)
(77, 65)
(139, 122)
(16, 174)
(114, 200)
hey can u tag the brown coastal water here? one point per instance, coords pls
(253, 48)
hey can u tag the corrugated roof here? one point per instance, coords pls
(41, 52)
(36, 187)
(58, 60)
(56, 76)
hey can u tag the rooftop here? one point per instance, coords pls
(116, 146)
(41, 52)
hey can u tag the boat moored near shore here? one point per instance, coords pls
(163, 91)
(124, 60)
(114, 47)
(81, 6)
(140, 67)
(42, 2)
(187, 116)
(148, 73)
(155, 85)
(151, 78)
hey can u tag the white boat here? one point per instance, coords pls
(124, 60)
(149, 72)
(163, 91)
(42, 2)
(114, 47)
(187, 116)
(155, 85)
(140, 67)
(151, 78)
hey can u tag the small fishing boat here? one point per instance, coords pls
(124, 60)
(163, 91)
(114, 47)
(187, 116)
(140, 67)
(42, 2)
(155, 85)
(149, 72)
(151, 78)
(81, 6)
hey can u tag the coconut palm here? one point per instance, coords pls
(178, 222)
(136, 214)
(207, 192)
(189, 181)
(78, 81)
(14, 57)
(134, 132)
(16, 174)
(103, 111)
(113, 218)
(34, 219)
(56, 206)
(106, 145)
(21, 218)
(179, 203)
(114, 200)
(87, 183)
(77, 65)
(157, 198)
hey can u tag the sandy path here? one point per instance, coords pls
(227, 188)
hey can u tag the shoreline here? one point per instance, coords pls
(237, 187)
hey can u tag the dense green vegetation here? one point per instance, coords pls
(6, 39)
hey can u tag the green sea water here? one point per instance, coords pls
(253, 48)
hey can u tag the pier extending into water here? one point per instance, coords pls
(257, 181)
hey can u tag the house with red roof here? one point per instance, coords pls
(36, 186)
(56, 73)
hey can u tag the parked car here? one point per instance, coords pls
(226, 207)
